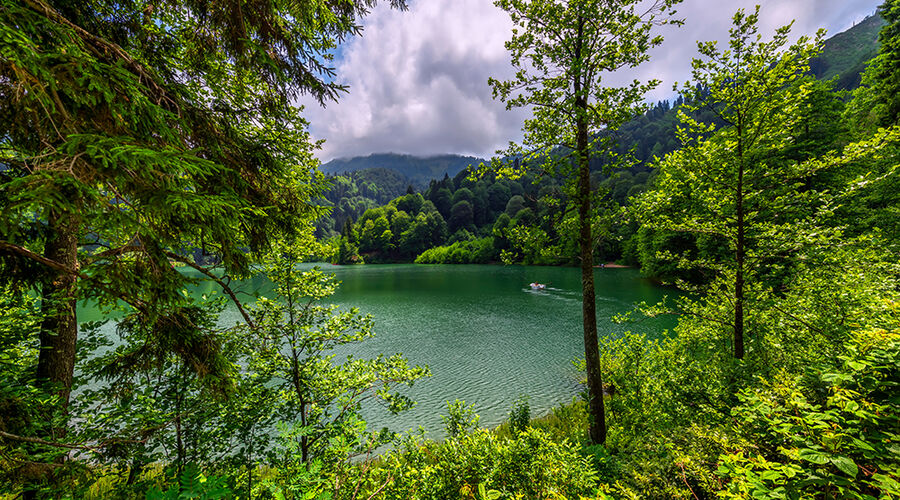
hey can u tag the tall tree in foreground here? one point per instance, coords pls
(742, 187)
(137, 134)
(562, 55)
(132, 134)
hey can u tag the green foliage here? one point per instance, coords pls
(134, 136)
(530, 465)
(460, 418)
(462, 217)
(845, 55)
(832, 431)
(649, 135)
(519, 415)
(293, 340)
(736, 184)
(883, 75)
(479, 251)
(685, 416)
(192, 484)
(347, 252)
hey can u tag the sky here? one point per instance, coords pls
(418, 79)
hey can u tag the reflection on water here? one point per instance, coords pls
(485, 334)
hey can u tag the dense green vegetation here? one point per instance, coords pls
(652, 134)
(775, 201)
(489, 206)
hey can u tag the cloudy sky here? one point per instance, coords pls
(418, 79)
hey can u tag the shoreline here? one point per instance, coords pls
(612, 265)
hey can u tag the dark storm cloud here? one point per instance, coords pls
(418, 79)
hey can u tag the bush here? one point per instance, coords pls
(520, 415)
(531, 465)
(479, 251)
(460, 418)
(840, 443)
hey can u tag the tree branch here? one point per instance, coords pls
(34, 440)
(227, 289)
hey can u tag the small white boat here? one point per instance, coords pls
(538, 286)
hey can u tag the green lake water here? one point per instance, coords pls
(486, 336)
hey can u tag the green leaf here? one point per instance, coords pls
(862, 444)
(813, 456)
(887, 483)
(846, 465)
(856, 365)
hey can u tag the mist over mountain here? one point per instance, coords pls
(416, 169)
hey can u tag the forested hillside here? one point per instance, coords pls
(651, 135)
(845, 55)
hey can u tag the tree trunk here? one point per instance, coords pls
(586, 246)
(588, 305)
(250, 467)
(304, 439)
(179, 440)
(59, 329)
(740, 246)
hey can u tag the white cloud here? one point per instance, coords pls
(418, 79)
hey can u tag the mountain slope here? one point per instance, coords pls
(845, 55)
(419, 170)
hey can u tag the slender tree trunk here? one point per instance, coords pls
(304, 439)
(588, 301)
(179, 439)
(250, 467)
(301, 398)
(59, 329)
(586, 246)
(740, 246)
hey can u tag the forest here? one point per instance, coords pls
(149, 147)
(369, 192)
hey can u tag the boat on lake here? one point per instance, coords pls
(538, 286)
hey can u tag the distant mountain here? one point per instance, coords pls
(418, 170)
(845, 55)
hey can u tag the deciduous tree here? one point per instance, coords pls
(740, 185)
(295, 339)
(563, 52)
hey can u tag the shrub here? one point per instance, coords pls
(840, 443)
(460, 418)
(478, 251)
(530, 465)
(520, 415)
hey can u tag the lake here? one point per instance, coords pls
(487, 337)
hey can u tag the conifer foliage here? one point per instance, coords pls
(134, 135)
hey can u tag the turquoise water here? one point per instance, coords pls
(486, 336)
